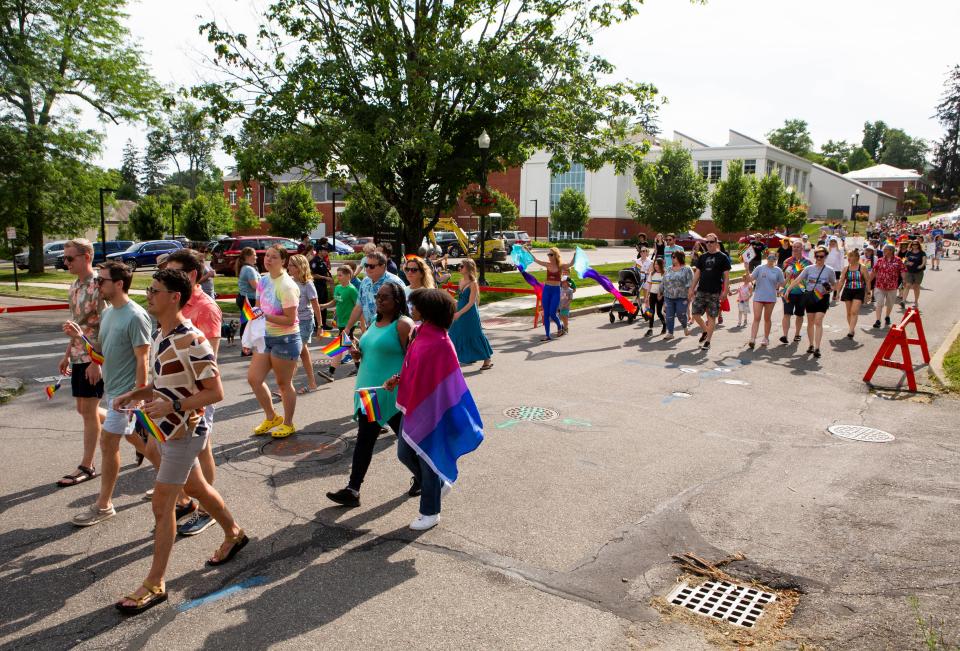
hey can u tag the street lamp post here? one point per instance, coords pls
(103, 224)
(854, 202)
(536, 231)
(333, 217)
(483, 142)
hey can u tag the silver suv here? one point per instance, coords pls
(51, 251)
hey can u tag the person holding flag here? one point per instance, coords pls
(380, 351)
(125, 337)
(793, 299)
(345, 297)
(247, 280)
(185, 380)
(818, 280)
(556, 269)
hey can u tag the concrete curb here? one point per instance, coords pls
(936, 362)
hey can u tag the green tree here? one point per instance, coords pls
(148, 218)
(244, 219)
(793, 136)
(54, 57)
(571, 213)
(125, 232)
(366, 210)
(507, 209)
(946, 152)
(874, 135)
(293, 212)
(835, 155)
(397, 93)
(903, 151)
(733, 204)
(772, 207)
(860, 159)
(919, 199)
(672, 194)
(129, 173)
(159, 150)
(205, 216)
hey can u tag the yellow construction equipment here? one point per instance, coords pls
(493, 249)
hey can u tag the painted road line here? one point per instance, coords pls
(222, 594)
(11, 358)
(35, 344)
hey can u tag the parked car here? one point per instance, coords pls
(50, 252)
(343, 246)
(514, 237)
(113, 246)
(360, 243)
(226, 252)
(771, 241)
(447, 240)
(144, 254)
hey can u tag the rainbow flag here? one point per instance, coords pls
(147, 423)
(94, 355)
(797, 267)
(369, 404)
(337, 346)
(246, 312)
(818, 294)
(52, 389)
(890, 242)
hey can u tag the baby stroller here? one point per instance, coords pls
(629, 283)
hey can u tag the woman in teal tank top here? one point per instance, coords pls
(380, 352)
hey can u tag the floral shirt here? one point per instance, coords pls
(86, 305)
(179, 360)
(887, 272)
(368, 293)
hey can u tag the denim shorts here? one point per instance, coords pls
(306, 330)
(284, 346)
(118, 422)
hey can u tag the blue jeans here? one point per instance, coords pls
(551, 305)
(430, 482)
(676, 307)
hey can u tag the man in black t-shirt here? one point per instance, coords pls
(711, 278)
(322, 276)
(758, 248)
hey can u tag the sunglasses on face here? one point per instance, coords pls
(100, 280)
(152, 291)
(371, 266)
(412, 270)
(70, 258)
(819, 257)
(711, 241)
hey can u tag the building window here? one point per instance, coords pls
(268, 195)
(248, 195)
(750, 166)
(780, 170)
(233, 196)
(769, 167)
(803, 183)
(710, 169)
(575, 177)
(320, 190)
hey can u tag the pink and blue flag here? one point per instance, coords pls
(441, 421)
(581, 264)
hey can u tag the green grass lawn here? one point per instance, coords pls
(951, 365)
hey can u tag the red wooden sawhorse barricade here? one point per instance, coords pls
(897, 338)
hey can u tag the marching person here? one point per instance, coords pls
(854, 280)
(817, 279)
(793, 298)
(345, 297)
(322, 278)
(125, 345)
(676, 288)
(466, 333)
(375, 264)
(915, 262)
(556, 268)
(86, 382)
(185, 380)
(247, 280)
(887, 274)
(279, 298)
(767, 281)
(653, 300)
(835, 262)
(710, 282)
(308, 314)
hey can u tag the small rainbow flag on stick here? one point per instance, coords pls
(247, 313)
(797, 268)
(52, 389)
(338, 346)
(369, 404)
(94, 355)
(147, 423)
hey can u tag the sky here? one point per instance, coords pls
(746, 65)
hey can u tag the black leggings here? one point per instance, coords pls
(656, 308)
(243, 322)
(367, 434)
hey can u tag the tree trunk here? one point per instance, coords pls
(34, 233)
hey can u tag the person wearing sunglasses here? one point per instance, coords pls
(818, 280)
(711, 278)
(375, 265)
(419, 276)
(556, 268)
(916, 263)
(86, 305)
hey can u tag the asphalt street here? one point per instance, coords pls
(559, 533)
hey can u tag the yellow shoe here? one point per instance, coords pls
(283, 431)
(267, 425)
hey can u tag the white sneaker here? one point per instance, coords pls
(668, 337)
(424, 522)
(445, 489)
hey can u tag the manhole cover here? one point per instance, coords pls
(860, 433)
(538, 414)
(737, 604)
(305, 447)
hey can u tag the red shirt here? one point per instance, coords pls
(204, 313)
(887, 272)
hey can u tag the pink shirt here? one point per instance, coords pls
(204, 313)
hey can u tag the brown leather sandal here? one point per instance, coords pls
(155, 595)
(239, 542)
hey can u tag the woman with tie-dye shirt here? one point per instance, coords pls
(278, 298)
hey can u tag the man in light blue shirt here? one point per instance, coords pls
(669, 248)
(377, 275)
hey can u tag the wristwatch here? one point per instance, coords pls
(177, 406)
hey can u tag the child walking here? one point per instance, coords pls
(345, 297)
(567, 288)
(743, 303)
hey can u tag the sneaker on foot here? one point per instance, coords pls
(345, 497)
(750, 345)
(196, 523)
(703, 337)
(809, 349)
(876, 324)
(783, 339)
(424, 522)
(267, 425)
(816, 353)
(649, 333)
(186, 509)
(886, 320)
(93, 515)
(668, 337)
(705, 345)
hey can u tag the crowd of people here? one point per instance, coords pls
(151, 377)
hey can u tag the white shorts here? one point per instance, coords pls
(744, 307)
(118, 422)
(885, 297)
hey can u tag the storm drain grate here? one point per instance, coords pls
(722, 600)
(538, 414)
(861, 433)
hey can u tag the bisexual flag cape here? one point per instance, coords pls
(440, 419)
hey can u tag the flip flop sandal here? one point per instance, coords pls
(155, 595)
(305, 390)
(486, 366)
(83, 474)
(239, 542)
